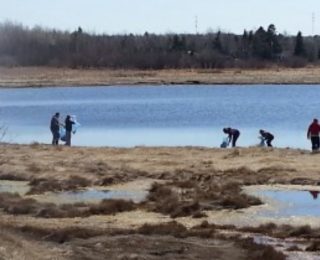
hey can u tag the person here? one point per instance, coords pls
(55, 128)
(68, 125)
(233, 135)
(313, 134)
(268, 137)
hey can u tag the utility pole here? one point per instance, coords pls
(196, 23)
(313, 22)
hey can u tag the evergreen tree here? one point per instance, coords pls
(217, 42)
(274, 47)
(299, 49)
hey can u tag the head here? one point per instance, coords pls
(315, 121)
(261, 131)
(68, 117)
(57, 114)
(226, 130)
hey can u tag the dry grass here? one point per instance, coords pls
(260, 252)
(315, 246)
(172, 228)
(16, 205)
(58, 235)
(194, 196)
(45, 76)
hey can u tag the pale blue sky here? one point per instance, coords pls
(162, 16)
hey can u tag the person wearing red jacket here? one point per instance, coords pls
(313, 134)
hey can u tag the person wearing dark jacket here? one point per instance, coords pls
(313, 134)
(68, 126)
(233, 135)
(55, 128)
(268, 137)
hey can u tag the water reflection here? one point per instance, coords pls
(314, 194)
(92, 195)
(288, 203)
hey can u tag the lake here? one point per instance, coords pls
(193, 115)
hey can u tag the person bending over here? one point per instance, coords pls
(233, 135)
(268, 137)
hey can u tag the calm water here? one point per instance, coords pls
(93, 195)
(293, 203)
(163, 115)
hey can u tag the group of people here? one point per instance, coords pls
(55, 127)
(313, 134)
(233, 135)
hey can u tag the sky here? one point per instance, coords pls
(165, 16)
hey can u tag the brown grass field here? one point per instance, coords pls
(43, 76)
(188, 187)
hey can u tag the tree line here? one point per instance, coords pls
(22, 46)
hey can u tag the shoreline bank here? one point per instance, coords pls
(20, 77)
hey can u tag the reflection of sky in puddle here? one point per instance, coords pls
(290, 203)
(20, 187)
(93, 195)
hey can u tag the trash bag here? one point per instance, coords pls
(62, 134)
(262, 141)
(225, 143)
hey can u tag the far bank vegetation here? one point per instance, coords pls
(262, 48)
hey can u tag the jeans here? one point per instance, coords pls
(55, 137)
(315, 141)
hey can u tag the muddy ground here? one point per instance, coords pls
(194, 196)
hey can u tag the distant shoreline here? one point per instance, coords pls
(24, 77)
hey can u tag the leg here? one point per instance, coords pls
(68, 138)
(315, 143)
(55, 138)
(234, 139)
(269, 142)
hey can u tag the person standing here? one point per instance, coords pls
(268, 137)
(233, 135)
(313, 134)
(68, 125)
(55, 128)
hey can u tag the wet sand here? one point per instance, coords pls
(44, 76)
(191, 173)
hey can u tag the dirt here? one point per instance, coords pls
(193, 185)
(46, 76)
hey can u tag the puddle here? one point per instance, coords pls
(20, 187)
(92, 195)
(287, 201)
(137, 191)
